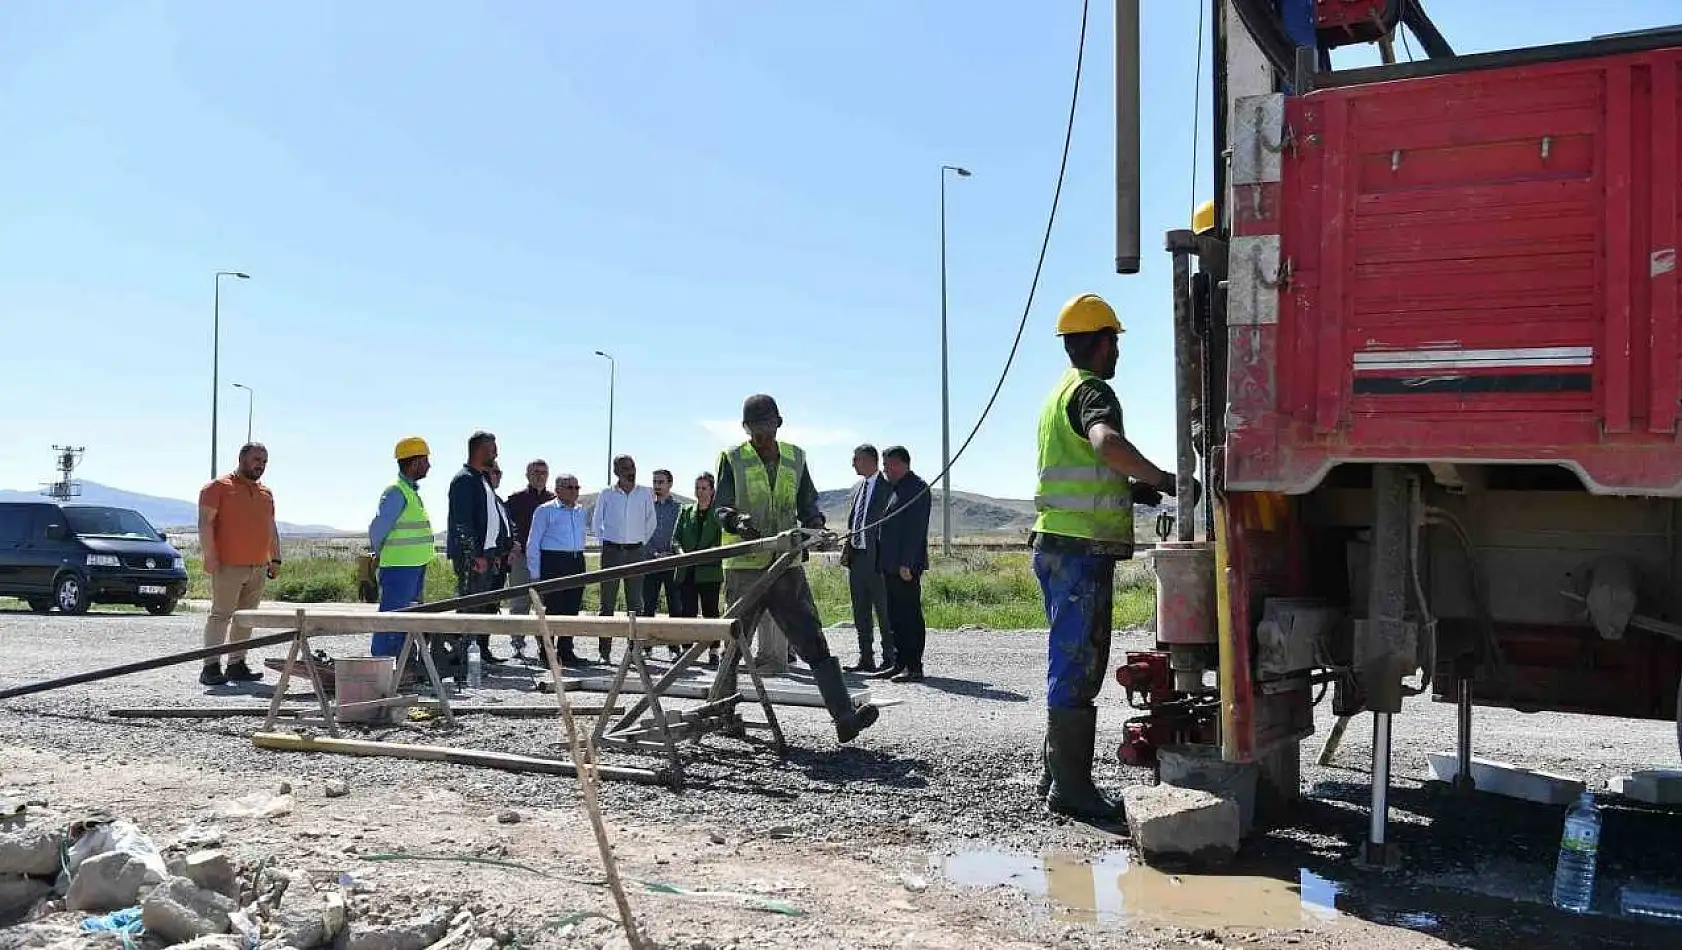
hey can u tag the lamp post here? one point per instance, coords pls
(216, 359)
(945, 381)
(250, 407)
(612, 377)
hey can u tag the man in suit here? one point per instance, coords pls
(859, 555)
(479, 540)
(904, 557)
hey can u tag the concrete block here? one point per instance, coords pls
(213, 871)
(1653, 786)
(1512, 781)
(31, 851)
(1182, 824)
(109, 881)
(179, 910)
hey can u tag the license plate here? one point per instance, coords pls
(153, 589)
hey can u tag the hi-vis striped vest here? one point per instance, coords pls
(1078, 496)
(772, 506)
(410, 542)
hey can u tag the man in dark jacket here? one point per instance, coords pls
(905, 557)
(479, 540)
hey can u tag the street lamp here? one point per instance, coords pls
(612, 377)
(250, 406)
(945, 384)
(216, 359)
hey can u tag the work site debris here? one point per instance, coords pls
(211, 870)
(179, 910)
(415, 933)
(109, 881)
(336, 788)
(31, 851)
(1182, 824)
(257, 804)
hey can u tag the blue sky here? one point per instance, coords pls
(445, 208)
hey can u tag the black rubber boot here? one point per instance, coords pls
(1043, 787)
(849, 720)
(1070, 736)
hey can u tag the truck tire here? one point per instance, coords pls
(70, 595)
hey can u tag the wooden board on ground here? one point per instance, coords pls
(783, 692)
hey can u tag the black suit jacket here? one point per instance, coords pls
(905, 535)
(873, 536)
(466, 538)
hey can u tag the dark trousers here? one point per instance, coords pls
(699, 598)
(451, 650)
(565, 603)
(905, 610)
(870, 597)
(789, 601)
(652, 585)
(613, 555)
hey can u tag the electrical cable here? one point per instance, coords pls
(1196, 105)
(1033, 288)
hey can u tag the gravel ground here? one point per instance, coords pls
(894, 839)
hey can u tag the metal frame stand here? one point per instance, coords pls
(299, 654)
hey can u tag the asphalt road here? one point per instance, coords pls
(950, 768)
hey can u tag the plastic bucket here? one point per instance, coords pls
(359, 679)
(1185, 592)
(1201, 767)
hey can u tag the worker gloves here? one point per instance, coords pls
(1170, 488)
(738, 523)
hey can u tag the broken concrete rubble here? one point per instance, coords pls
(416, 933)
(109, 881)
(179, 910)
(308, 929)
(19, 894)
(31, 851)
(212, 870)
(1171, 823)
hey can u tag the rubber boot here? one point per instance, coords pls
(1070, 735)
(1043, 787)
(849, 720)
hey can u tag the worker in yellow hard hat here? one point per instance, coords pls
(1090, 476)
(401, 538)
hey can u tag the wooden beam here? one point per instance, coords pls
(289, 742)
(663, 630)
(224, 712)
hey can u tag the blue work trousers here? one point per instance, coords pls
(1079, 592)
(399, 587)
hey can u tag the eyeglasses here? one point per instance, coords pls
(567, 487)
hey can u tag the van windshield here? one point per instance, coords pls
(100, 522)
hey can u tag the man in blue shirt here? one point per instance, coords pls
(555, 548)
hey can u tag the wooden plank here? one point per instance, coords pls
(224, 712)
(662, 630)
(290, 742)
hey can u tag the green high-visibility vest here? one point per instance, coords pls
(410, 542)
(1078, 496)
(771, 505)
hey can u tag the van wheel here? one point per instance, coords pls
(161, 608)
(40, 605)
(70, 595)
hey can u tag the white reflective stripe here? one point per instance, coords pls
(1080, 503)
(1079, 473)
(1371, 361)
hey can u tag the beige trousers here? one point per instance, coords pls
(232, 588)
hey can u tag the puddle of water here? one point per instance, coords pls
(1116, 889)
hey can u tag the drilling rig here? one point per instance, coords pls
(1428, 360)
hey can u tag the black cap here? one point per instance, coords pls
(759, 408)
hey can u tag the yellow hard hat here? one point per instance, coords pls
(411, 447)
(1203, 219)
(1087, 313)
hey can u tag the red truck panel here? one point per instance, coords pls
(1477, 266)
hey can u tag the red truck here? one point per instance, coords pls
(1428, 362)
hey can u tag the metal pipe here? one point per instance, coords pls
(1187, 384)
(1380, 788)
(1463, 775)
(1127, 136)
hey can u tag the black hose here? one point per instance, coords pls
(1417, 20)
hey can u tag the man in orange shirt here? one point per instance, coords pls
(241, 547)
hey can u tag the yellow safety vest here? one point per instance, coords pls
(771, 505)
(1078, 496)
(410, 542)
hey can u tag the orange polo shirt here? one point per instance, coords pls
(244, 514)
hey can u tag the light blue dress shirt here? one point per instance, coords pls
(554, 527)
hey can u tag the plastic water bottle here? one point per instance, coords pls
(1578, 847)
(475, 667)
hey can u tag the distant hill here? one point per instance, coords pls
(166, 513)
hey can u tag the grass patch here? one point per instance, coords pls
(995, 591)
